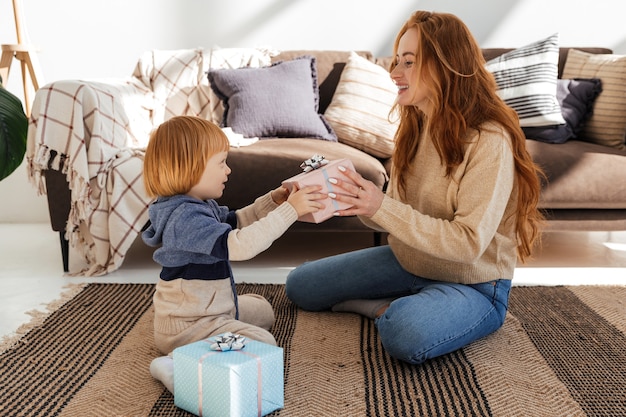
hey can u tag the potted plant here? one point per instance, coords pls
(13, 130)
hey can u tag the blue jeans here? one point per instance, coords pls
(427, 318)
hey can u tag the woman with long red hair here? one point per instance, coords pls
(461, 206)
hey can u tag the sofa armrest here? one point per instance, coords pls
(77, 127)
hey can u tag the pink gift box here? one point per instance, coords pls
(320, 176)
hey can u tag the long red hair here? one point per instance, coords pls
(463, 96)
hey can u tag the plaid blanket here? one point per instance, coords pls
(95, 132)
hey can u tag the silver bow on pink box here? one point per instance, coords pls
(314, 162)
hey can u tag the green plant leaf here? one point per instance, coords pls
(13, 130)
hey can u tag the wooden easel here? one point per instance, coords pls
(22, 53)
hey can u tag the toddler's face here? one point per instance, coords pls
(211, 184)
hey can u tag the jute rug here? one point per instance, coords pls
(561, 352)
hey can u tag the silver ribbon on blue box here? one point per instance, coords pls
(228, 341)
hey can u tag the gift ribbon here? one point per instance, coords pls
(202, 358)
(228, 341)
(314, 162)
(259, 382)
(329, 185)
(225, 343)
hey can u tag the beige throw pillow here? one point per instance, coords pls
(359, 110)
(607, 125)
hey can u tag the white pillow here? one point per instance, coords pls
(359, 110)
(526, 79)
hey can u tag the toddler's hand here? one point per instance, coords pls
(306, 200)
(280, 194)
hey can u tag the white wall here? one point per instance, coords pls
(90, 39)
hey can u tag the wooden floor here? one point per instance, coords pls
(31, 272)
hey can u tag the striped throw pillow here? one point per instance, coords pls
(526, 79)
(607, 124)
(359, 110)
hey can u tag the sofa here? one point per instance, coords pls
(86, 141)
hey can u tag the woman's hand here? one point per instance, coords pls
(365, 197)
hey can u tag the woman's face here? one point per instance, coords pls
(411, 91)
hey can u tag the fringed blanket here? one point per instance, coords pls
(95, 132)
(81, 129)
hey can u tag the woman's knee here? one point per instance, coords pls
(403, 343)
(414, 330)
(293, 286)
(300, 288)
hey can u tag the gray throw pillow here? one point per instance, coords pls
(281, 100)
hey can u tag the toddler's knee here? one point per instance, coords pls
(260, 335)
(256, 310)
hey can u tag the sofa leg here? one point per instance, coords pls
(65, 251)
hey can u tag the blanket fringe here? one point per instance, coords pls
(80, 208)
(37, 164)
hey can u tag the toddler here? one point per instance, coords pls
(185, 169)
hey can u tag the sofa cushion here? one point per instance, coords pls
(581, 175)
(576, 98)
(359, 111)
(607, 125)
(262, 166)
(281, 100)
(526, 79)
(225, 58)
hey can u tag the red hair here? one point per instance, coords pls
(178, 152)
(463, 97)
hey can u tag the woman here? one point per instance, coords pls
(460, 208)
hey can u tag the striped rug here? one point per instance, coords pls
(561, 352)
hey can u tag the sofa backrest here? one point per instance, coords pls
(179, 83)
(490, 53)
(330, 64)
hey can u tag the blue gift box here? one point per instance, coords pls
(246, 382)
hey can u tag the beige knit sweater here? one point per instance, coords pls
(459, 228)
(186, 310)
